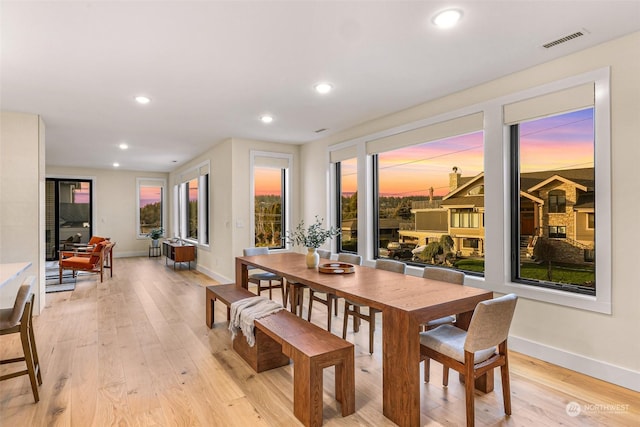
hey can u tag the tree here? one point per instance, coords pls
(403, 210)
(433, 249)
(430, 252)
(545, 252)
(446, 242)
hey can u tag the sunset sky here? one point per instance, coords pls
(267, 181)
(149, 195)
(559, 142)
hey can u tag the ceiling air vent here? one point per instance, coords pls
(563, 39)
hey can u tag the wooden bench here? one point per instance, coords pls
(284, 335)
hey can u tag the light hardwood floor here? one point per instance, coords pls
(135, 351)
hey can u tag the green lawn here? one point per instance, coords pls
(560, 274)
(578, 275)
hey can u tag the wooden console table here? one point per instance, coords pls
(178, 253)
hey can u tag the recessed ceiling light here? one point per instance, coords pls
(266, 118)
(116, 164)
(447, 18)
(143, 99)
(123, 146)
(323, 88)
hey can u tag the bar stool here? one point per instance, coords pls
(19, 320)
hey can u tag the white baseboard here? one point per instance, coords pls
(215, 276)
(595, 368)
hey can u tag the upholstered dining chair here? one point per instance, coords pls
(18, 320)
(354, 309)
(264, 276)
(330, 300)
(443, 275)
(474, 352)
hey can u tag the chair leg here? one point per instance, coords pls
(372, 328)
(282, 286)
(329, 310)
(345, 323)
(310, 304)
(286, 298)
(28, 358)
(356, 319)
(335, 306)
(445, 376)
(469, 386)
(34, 351)
(427, 368)
(506, 386)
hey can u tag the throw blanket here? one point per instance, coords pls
(245, 311)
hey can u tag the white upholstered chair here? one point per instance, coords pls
(476, 351)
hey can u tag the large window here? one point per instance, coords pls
(347, 203)
(270, 184)
(151, 207)
(430, 201)
(556, 192)
(268, 201)
(193, 205)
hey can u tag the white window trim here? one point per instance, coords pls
(141, 182)
(179, 211)
(287, 193)
(499, 279)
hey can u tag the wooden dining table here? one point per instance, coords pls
(406, 302)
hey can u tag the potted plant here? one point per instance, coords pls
(155, 234)
(312, 238)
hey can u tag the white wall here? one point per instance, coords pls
(230, 199)
(605, 346)
(21, 200)
(114, 205)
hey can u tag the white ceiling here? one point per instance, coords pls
(212, 68)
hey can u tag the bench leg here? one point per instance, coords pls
(345, 384)
(307, 390)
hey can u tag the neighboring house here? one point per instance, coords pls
(558, 205)
(460, 214)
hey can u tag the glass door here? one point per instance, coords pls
(68, 214)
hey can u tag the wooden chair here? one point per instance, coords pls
(353, 309)
(19, 320)
(265, 276)
(93, 241)
(95, 261)
(330, 300)
(472, 353)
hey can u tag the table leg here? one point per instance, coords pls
(242, 274)
(400, 368)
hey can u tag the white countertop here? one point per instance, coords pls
(10, 271)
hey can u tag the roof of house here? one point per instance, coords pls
(583, 176)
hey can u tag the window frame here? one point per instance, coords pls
(496, 218)
(202, 172)
(145, 182)
(286, 173)
(601, 301)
